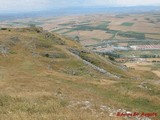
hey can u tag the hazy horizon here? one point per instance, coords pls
(20, 6)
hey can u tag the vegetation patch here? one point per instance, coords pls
(57, 30)
(3, 28)
(127, 24)
(103, 25)
(131, 34)
(96, 39)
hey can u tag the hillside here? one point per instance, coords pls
(45, 76)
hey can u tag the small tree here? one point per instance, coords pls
(111, 58)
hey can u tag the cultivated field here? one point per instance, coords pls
(98, 26)
(46, 75)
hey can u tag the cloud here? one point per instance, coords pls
(24, 5)
(137, 2)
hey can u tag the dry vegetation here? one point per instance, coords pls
(42, 79)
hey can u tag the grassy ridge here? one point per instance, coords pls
(40, 78)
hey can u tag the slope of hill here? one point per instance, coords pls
(45, 76)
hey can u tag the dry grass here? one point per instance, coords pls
(35, 87)
(153, 36)
(157, 73)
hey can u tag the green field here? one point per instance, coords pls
(127, 24)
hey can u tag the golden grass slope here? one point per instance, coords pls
(41, 79)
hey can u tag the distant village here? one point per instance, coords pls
(111, 50)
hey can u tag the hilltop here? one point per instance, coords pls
(46, 76)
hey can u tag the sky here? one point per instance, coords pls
(39, 5)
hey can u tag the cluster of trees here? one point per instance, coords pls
(112, 55)
(132, 35)
(150, 56)
(154, 61)
(3, 28)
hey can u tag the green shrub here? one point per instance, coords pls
(3, 28)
